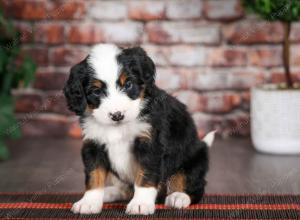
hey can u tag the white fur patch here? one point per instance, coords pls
(103, 60)
(178, 200)
(90, 203)
(114, 193)
(143, 201)
(209, 138)
(118, 140)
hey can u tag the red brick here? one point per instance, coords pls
(295, 32)
(206, 122)
(75, 130)
(227, 10)
(115, 32)
(49, 80)
(39, 55)
(265, 56)
(55, 102)
(193, 100)
(177, 55)
(66, 9)
(245, 100)
(4, 5)
(49, 33)
(218, 79)
(279, 77)
(183, 32)
(84, 34)
(27, 9)
(108, 10)
(236, 124)
(220, 102)
(126, 33)
(159, 54)
(184, 9)
(146, 10)
(187, 56)
(295, 55)
(168, 79)
(26, 33)
(63, 56)
(250, 32)
(44, 125)
(226, 57)
(28, 101)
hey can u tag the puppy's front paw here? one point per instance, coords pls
(91, 203)
(178, 200)
(137, 207)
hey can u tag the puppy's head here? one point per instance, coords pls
(110, 84)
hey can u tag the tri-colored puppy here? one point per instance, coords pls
(139, 142)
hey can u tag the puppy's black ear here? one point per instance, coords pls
(136, 61)
(73, 89)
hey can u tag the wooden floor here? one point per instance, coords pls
(51, 165)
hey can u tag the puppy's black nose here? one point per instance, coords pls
(117, 116)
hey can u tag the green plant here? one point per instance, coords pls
(16, 70)
(285, 11)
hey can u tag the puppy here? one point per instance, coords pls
(139, 142)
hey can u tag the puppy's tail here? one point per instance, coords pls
(209, 138)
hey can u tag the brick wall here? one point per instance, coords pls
(208, 54)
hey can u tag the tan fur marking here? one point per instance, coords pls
(145, 135)
(97, 83)
(89, 109)
(140, 179)
(177, 183)
(142, 93)
(122, 79)
(97, 178)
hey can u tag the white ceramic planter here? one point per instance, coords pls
(275, 120)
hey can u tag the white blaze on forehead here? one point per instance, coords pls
(103, 59)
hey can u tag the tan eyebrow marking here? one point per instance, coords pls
(123, 78)
(97, 83)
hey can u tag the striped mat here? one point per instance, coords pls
(57, 206)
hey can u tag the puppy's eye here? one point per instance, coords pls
(96, 91)
(128, 85)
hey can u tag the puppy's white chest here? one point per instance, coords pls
(118, 142)
(122, 160)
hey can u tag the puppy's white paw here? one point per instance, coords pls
(90, 203)
(137, 207)
(178, 200)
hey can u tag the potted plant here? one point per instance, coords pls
(275, 109)
(16, 70)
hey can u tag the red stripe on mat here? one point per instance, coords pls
(206, 195)
(28, 205)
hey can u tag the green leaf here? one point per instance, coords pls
(271, 10)
(14, 130)
(15, 69)
(28, 68)
(4, 154)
